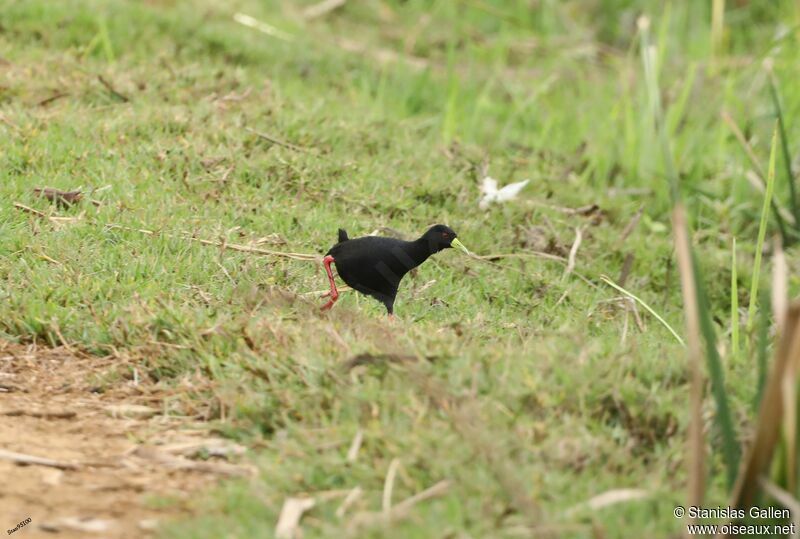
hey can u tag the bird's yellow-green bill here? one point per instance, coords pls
(458, 245)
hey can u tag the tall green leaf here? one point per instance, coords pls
(762, 233)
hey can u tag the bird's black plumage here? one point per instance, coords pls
(375, 265)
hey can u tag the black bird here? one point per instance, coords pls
(375, 265)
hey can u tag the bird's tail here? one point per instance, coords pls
(342, 235)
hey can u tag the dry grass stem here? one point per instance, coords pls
(785, 499)
(641, 302)
(349, 500)
(573, 253)
(45, 414)
(402, 509)
(767, 426)
(279, 142)
(180, 463)
(526, 254)
(288, 526)
(780, 285)
(355, 446)
(388, 485)
(261, 26)
(695, 450)
(222, 245)
(30, 210)
(113, 91)
(322, 8)
(21, 458)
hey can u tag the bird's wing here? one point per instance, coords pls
(342, 235)
(511, 190)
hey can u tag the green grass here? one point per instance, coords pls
(556, 94)
(762, 231)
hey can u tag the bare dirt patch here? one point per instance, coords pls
(114, 451)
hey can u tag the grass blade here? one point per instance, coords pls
(787, 157)
(105, 39)
(730, 443)
(649, 309)
(677, 112)
(762, 347)
(781, 214)
(762, 232)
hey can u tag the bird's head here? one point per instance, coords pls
(441, 237)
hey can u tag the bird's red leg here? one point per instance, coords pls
(334, 293)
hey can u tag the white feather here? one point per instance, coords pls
(488, 185)
(492, 194)
(511, 190)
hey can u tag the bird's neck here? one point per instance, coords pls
(419, 250)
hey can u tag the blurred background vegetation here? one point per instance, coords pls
(400, 108)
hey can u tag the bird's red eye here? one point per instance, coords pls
(445, 235)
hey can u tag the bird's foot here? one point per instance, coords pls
(334, 296)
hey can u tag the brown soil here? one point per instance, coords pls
(50, 407)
